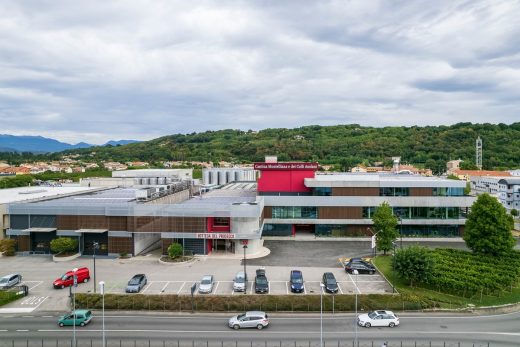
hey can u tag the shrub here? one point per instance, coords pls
(8, 247)
(414, 264)
(64, 245)
(174, 250)
(514, 212)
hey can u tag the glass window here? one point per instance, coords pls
(289, 212)
(322, 191)
(220, 221)
(394, 191)
(368, 212)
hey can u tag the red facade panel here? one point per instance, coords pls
(284, 181)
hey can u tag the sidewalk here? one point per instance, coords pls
(311, 237)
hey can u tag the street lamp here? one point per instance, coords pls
(245, 273)
(75, 284)
(102, 290)
(355, 272)
(95, 245)
(400, 229)
(321, 313)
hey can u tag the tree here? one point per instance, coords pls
(175, 250)
(514, 212)
(385, 227)
(414, 264)
(488, 228)
(8, 247)
(64, 245)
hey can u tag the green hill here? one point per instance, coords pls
(347, 145)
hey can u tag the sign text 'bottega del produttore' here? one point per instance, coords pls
(215, 236)
(286, 166)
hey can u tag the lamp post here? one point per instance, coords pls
(102, 290)
(95, 245)
(355, 272)
(400, 230)
(245, 273)
(321, 313)
(75, 284)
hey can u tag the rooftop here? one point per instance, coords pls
(39, 192)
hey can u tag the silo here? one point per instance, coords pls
(205, 176)
(222, 177)
(238, 175)
(230, 176)
(137, 182)
(162, 181)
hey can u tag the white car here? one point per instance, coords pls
(239, 282)
(206, 284)
(250, 319)
(378, 319)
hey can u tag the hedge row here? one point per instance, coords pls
(7, 296)
(270, 303)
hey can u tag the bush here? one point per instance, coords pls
(8, 247)
(174, 250)
(415, 264)
(64, 245)
(514, 212)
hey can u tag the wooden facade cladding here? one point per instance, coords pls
(340, 212)
(23, 243)
(355, 191)
(82, 222)
(268, 212)
(121, 245)
(421, 191)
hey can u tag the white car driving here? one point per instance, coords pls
(378, 319)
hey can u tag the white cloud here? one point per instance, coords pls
(95, 71)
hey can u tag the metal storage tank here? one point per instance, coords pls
(238, 175)
(153, 181)
(161, 181)
(229, 176)
(222, 177)
(205, 176)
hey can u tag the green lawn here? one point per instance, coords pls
(443, 300)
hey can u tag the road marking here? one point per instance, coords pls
(33, 300)
(28, 316)
(341, 290)
(164, 288)
(183, 283)
(47, 316)
(287, 288)
(41, 302)
(31, 288)
(22, 330)
(215, 291)
(357, 288)
(147, 286)
(3, 330)
(304, 289)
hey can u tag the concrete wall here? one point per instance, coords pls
(145, 240)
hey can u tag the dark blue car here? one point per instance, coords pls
(296, 281)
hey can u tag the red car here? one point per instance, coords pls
(82, 274)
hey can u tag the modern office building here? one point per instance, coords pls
(509, 192)
(299, 199)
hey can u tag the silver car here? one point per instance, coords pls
(10, 280)
(250, 319)
(206, 284)
(136, 283)
(239, 282)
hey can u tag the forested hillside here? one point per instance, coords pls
(345, 145)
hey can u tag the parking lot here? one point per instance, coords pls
(40, 272)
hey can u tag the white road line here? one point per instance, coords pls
(41, 302)
(22, 330)
(359, 291)
(215, 291)
(183, 283)
(287, 288)
(28, 316)
(164, 288)
(3, 330)
(112, 288)
(31, 288)
(148, 286)
(47, 316)
(339, 287)
(304, 289)
(251, 291)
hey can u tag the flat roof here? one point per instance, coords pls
(378, 179)
(39, 192)
(114, 196)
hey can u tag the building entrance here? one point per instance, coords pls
(223, 246)
(304, 228)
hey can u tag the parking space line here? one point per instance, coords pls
(179, 291)
(304, 289)
(355, 284)
(111, 288)
(341, 290)
(287, 287)
(163, 288)
(148, 286)
(251, 292)
(216, 287)
(31, 288)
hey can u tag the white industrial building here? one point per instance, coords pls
(222, 176)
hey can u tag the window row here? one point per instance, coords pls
(295, 212)
(422, 212)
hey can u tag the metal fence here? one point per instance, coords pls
(233, 343)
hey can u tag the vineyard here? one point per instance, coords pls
(468, 275)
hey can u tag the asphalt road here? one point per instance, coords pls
(287, 330)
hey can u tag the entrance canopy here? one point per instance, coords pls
(91, 231)
(39, 230)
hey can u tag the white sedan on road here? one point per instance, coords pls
(378, 319)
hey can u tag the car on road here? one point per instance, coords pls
(261, 282)
(250, 319)
(362, 266)
(67, 280)
(329, 282)
(10, 281)
(136, 283)
(81, 317)
(378, 319)
(296, 281)
(206, 284)
(239, 282)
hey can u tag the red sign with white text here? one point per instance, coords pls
(286, 166)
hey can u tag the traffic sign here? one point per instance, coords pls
(373, 239)
(244, 242)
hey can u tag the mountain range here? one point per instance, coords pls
(39, 144)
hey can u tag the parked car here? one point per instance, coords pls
(329, 282)
(239, 282)
(10, 280)
(83, 317)
(363, 267)
(250, 319)
(296, 281)
(378, 319)
(136, 283)
(67, 280)
(206, 284)
(261, 282)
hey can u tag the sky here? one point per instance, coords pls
(94, 71)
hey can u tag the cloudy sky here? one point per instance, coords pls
(98, 70)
